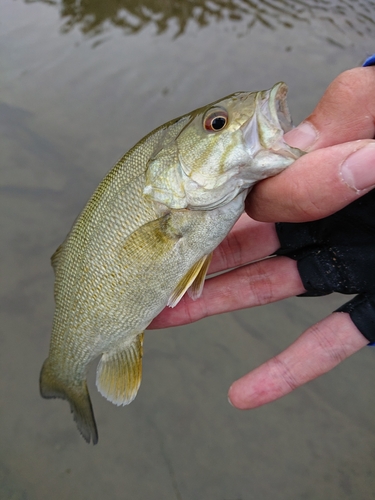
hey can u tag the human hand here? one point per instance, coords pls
(338, 169)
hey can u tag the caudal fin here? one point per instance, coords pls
(78, 397)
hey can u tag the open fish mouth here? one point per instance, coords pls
(264, 134)
(278, 107)
(272, 112)
(264, 131)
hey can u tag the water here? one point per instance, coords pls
(80, 83)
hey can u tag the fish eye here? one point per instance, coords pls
(215, 120)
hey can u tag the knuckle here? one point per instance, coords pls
(328, 341)
(352, 87)
(260, 284)
(230, 251)
(346, 84)
(303, 199)
(283, 373)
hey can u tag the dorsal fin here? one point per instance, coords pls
(56, 257)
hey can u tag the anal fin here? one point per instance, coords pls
(192, 281)
(119, 372)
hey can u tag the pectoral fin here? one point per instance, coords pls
(196, 288)
(119, 372)
(193, 280)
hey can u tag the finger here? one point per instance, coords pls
(256, 284)
(317, 351)
(249, 240)
(346, 112)
(316, 185)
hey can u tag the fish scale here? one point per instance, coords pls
(146, 236)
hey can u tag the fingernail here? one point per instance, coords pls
(302, 137)
(358, 170)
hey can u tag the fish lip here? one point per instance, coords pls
(271, 119)
(271, 116)
(278, 106)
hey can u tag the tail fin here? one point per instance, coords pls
(78, 397)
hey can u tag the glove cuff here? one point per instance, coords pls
(362, 312)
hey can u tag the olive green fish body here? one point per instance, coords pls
(146, 236)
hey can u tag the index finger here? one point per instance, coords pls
(316, 185)
(249, 240)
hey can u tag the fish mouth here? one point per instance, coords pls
(278, 107)
(264, 134)
(264, 131)
(270, 121)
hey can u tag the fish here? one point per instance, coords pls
(146, 237)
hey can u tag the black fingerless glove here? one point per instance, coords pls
(337, 254)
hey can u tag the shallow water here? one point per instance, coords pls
(81, 82)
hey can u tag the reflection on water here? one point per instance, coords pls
(94, 16)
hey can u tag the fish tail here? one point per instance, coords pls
(76, 394)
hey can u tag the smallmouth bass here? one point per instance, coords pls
(146, 236)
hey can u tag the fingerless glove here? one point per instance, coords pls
(337, 254)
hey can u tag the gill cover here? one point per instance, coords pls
(194, 170)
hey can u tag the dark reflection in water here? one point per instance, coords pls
(95, 16)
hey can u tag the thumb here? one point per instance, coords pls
(316, 185)
(346, 112)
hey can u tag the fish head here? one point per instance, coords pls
(222, 150)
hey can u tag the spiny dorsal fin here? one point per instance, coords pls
(119, 372)
(56, 257)
(194, 278)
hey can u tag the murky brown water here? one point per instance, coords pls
(81, 82)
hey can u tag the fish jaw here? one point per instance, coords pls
(264, 135)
